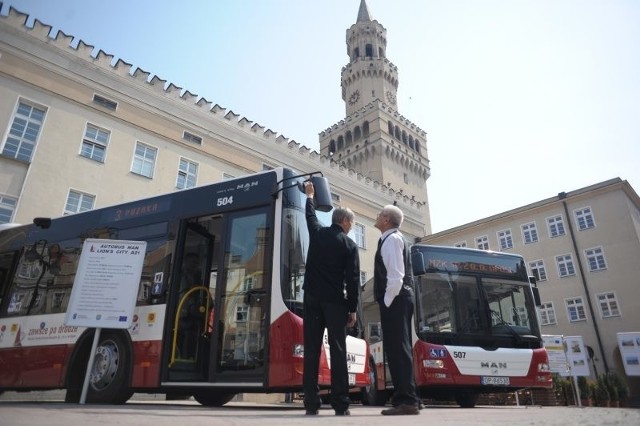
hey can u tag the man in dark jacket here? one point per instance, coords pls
(331, 291)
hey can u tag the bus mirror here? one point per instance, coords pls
(322, 196)
(417, 261)
(536, 296)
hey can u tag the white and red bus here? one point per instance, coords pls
(233, 324)
(476, 329)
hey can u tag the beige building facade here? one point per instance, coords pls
(82, 131)
(583, 247)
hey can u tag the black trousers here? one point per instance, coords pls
(317, 316)
(396, 335)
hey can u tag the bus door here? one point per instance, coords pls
(242, 300)
(194, 307)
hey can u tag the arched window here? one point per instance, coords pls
(340, 143)
(356, 53)
(390, 126)
(410, 141)
(369, 51)
(380, 52)
(397, 133)
(332, 147)
(356, 133)
(417, 147)
(404, 137)
(349, 138)
(365, 129)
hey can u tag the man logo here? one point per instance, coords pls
(494, 366)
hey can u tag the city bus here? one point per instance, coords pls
(475, 327)
(219, 305)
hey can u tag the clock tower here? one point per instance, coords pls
(374, 139)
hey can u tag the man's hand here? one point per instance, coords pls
(309, 189)
(351, 320)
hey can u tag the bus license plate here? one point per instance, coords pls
(494, 381)
(352, 379)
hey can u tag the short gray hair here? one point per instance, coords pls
(341, 214)
(394, 214)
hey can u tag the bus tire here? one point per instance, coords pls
(371, 395)
(467, 399)
(109, 378)
(210, 398)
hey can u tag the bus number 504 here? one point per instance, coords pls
(223, 201)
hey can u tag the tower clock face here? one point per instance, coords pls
(391, 97)
(354, 97)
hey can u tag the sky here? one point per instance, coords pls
(520, 99)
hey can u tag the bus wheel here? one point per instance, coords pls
(213, 398)
(467, 399)
(109, 373)
(370, 393)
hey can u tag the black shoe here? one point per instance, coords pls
(401, 410)
(311, 413)
(343, 413)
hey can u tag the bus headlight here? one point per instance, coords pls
(298, 351)
(543, 366)
(433, 363)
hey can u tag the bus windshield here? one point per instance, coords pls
(295, 246)
(455, 308)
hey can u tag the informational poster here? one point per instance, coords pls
(106, 285)
(554, 344)
(577, 356)
(629, 344)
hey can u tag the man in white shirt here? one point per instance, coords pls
(393, 290)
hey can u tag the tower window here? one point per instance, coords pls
(369, 51)
(356, 53)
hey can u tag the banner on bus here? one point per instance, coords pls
(629, 344)
(106, 285)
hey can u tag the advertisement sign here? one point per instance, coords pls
(554, 344)
(106, 284)
(577, 356)
(629, 344)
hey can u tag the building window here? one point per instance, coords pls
(565, 265)
(189, 137)
(7, 207)
(482, 243)
(242, 313)
(24, 131)
(608, 305)
(505, 239)
(538, 271)
(104, 102)
(547, 314)
(144, 160)
(266, 167)
(187, 174)
(529, 233)
(556, 226)
(460, 244)
(359, 235)
(335, 197)
(406, 178)
(78, 202)
(584, 217)
(595, 259)
(575, 309)
(363, 278)
(94, 143)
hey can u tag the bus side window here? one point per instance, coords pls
(6, 262)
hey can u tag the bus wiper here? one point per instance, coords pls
(509, 327)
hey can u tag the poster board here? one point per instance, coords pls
(577, 356)
(106, 284)
(629, 344)
(554, 344)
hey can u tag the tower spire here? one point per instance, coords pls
(363, 12)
